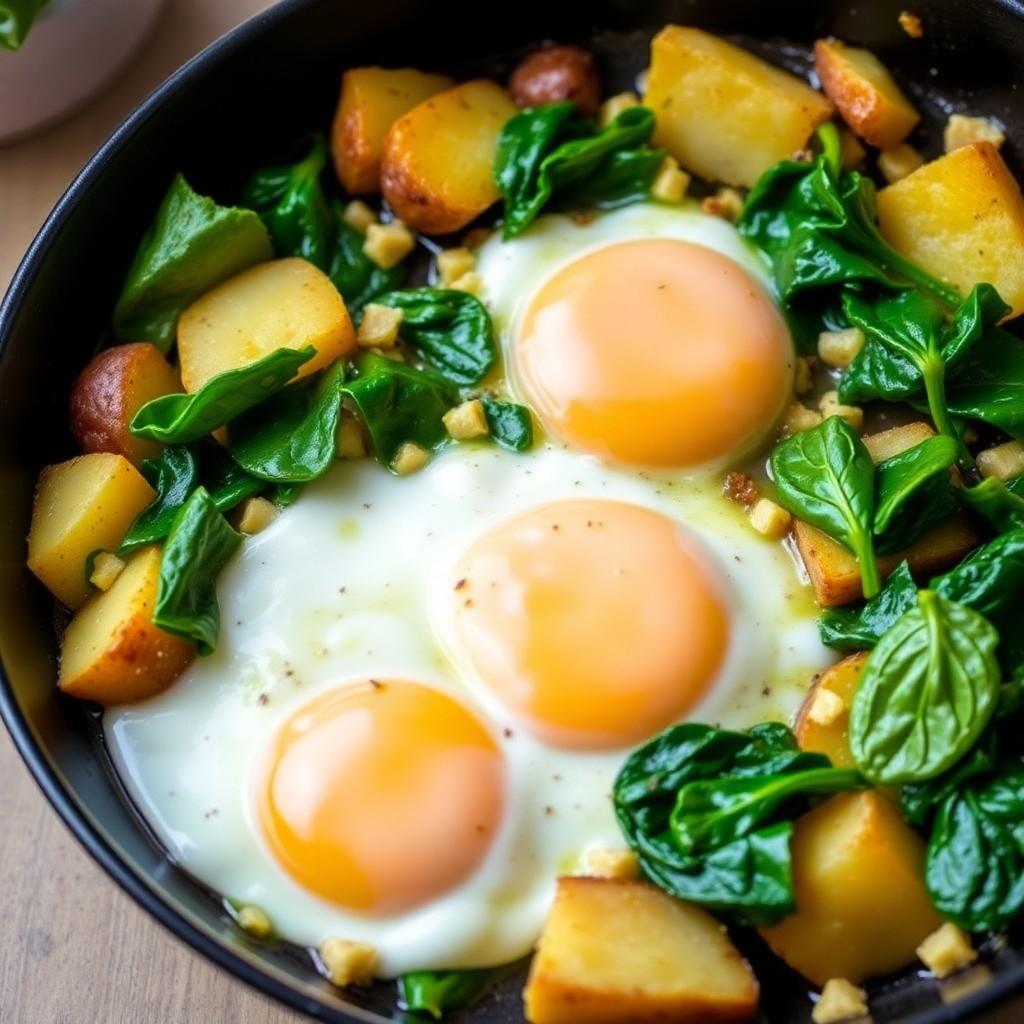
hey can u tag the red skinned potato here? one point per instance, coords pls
(111, 389)
(556, 73)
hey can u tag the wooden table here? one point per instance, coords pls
(73, 948)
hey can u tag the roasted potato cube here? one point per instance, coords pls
(833, 570)
(112, 652)
(864, 92)
(285, 303)
(437, 170)
(858, 873)
(617, 950)
(722, 112)
(81, 505)
(110, 391)
(813, 731)
(959, 217)
(372, 100)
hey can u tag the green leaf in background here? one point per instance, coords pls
(178, 419)
(199, 545)
(1001, 503)
(826, 476)
(550, 154)
(989, 385)
(450, 329)
(16, 18)
(176, 477)
(913, 492)
(511, 425)
(399, 403)
(851, 629)
(927, 692)
(291, 438)
(438, 992)
(354, 274)
(291, 203)
(227, 482)
(192, 245)
(726, 843)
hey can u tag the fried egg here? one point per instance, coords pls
(425, 685)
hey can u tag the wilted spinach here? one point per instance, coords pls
(709, 813)
(438, 992)
(511, 425)
(291, 438)
(16, 18)
(450, 329)
(858, 629)
(399, 403)
(999, 503)
(552, 155)
(174, 476)
(989, 385)
(178, 419)
(826, 476)
(199, 545)
(354, 274)
(927, 692)
(192, 245)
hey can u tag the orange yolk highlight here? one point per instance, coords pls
(655, 353)
(597, 623)
(381, 796)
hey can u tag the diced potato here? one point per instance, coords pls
(110, 391)
(722, 112)
(254, 921)
(1004, 461)
(864, 92)
(379, 326)
(616, 951)
(359, 216)
(962, 130)
(609, 862)
(106, 567)
(839, 348)
(466, 421)
(615, 105)
(770, 519)
(831, 737)
(254, 515)
(81, 505)
(347, 962)
(372, 100)
(829, 405)
(388, 244)
(726, 203)
(112, 652)
(454, 263)
(896, 163)
(852, 153)
(410, 458)
(438, 166)
(285, 303)
(671, 182)
(858, 874)
(833, 570)
(959, 217)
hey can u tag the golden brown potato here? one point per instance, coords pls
(833, 570)
(285, 303)
(111, 390)
(81, 505)
(372, 100)
(556, 73)
(864, 92)
(111, 652)
(862, 906)
(722, 112)
(437, 171)
(816, 729)
(960, 217)
(618, 951)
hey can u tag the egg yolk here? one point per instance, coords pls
(656, 353)
(597, 623)
(381, 796)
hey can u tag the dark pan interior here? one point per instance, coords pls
(239, 105)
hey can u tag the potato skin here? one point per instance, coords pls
(111, 389)
(833, 739)
(553, 74)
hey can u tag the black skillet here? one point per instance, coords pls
(237, 106)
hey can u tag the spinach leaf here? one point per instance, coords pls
(734, 826)
(550, 154)
(227, 482)
(199, 545)
(511, 425)
(997, 502)
(437, 992)
(178, 419)
(192, 245)
(989, 385)
(826, 476)
(291, 203)
(927, 691)
(284, 495)
(914, 492)
(399, 403)
(16, 18)
(176, 477)
(853, 630)
(990, 580)
(354, 274)
(450, 329)
(291, 438)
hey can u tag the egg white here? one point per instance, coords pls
(354, 581)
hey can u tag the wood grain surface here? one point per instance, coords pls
(73, 948)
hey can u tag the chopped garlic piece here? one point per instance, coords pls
(911, 24)
(388, 244)
(946, 950)
(826, 707)
(898, 162)
(840, 1000)
(615, 105)
(453, 263)
(105, 569)
(671, 182)
(471, 282)
(379, 326)
(409, 458)
(467, 420)
(770, 519)
(802, 376)
(839, 348)
(351, 440)
(606, 862)
(348, 963)
(798, 417)
(359, 216)
(256, 515)
(1004, 461)
(962, 130)
(254, 921)
(726, 202)
(831, 406)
